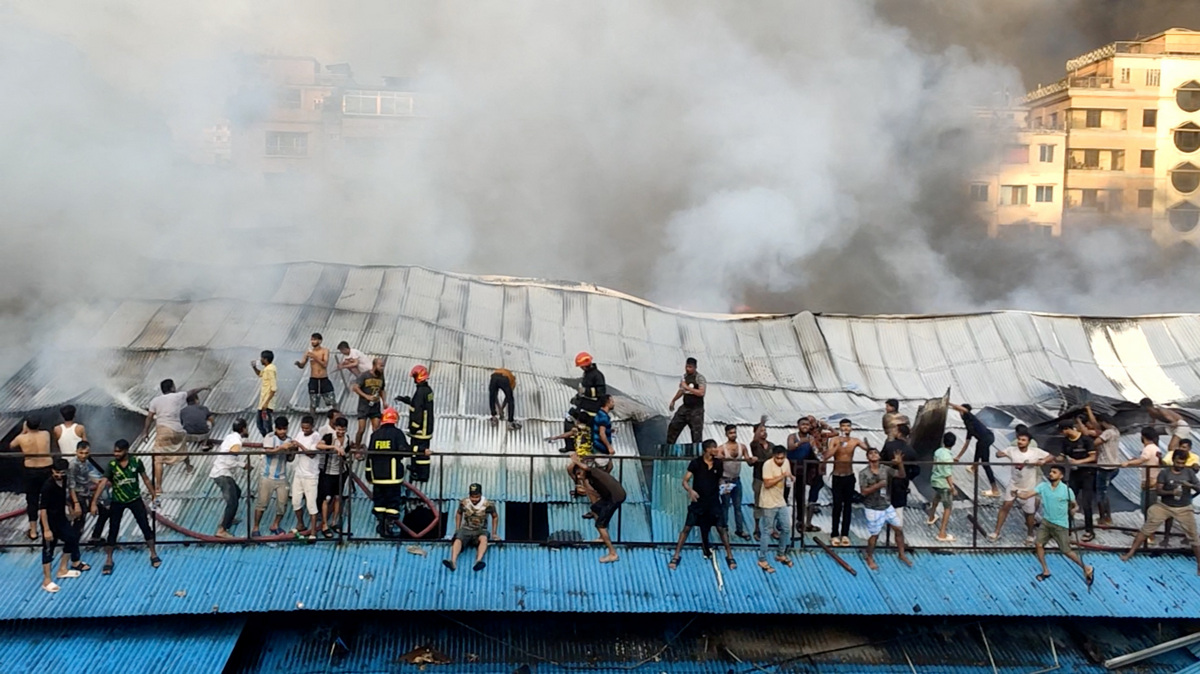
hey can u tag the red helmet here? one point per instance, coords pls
(419, 373)
(583, 359)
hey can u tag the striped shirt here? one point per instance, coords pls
(275, 465)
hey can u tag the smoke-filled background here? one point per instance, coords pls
(786, 155)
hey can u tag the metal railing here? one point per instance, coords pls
(657, 473)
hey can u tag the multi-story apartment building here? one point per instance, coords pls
(1021, 190)
(1131, 111)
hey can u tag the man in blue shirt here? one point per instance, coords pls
(1057, 501)
(602, 432)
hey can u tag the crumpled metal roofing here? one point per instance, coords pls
(148, 645)
(203, 579)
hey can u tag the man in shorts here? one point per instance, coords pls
(1057, 501)
(163, 412)
(610, 495)
(305, 476)
(941, 480)
(273, 479)
(1176, 486)
(331, 483)
(320, 389)
(470, 524)
(369, 388)
(878, 507)
(1027, 462)
(702, 483)
(1177, 426)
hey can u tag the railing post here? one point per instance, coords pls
(529, 503)
(975, 508)
(621, 480)
(249, 522)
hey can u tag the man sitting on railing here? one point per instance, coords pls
(470, 524)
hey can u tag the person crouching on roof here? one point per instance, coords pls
(385, 469)
(470, 527)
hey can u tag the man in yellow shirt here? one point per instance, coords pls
(268, 387)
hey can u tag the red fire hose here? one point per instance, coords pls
(437, 515)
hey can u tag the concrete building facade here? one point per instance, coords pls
(1021, 190)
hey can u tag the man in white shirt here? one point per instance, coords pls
(225, 473)
(1026, 472)
(353, 360)
(163, 412)
(305, 472)
(1108, 457)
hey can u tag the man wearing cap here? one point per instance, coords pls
(420, 423)
(691, 411)
(470, 527)
(385, 470)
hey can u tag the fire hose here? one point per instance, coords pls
(437, 515)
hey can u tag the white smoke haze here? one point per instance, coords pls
(700, 154)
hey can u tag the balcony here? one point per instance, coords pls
(1092, 82)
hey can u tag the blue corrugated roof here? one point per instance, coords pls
(234, 578)
(174, 644)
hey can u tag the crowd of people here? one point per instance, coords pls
(309, 468)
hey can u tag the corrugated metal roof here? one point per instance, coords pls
(119, 647)
(523, 578)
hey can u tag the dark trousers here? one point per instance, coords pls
(686, 417)
(496, 385)
(843, 498)
(420, 464)
(1083, 483)
(232, 493)
(983, 456)
(266, 422)
(60, 530)
(102, 512)
(34, 479)
(117, 512)
(387, 498)
(805, 506)
(1104, 478)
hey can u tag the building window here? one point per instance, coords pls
(1117, 160)
(1124, 75)
(287, 144)
(1046, 153)
(291, 98)
(1145, 198)
(1014, 195)
(1188, 96)
(1187, 137)
(1089, 198)
(1149, 118)
(1147, 159)
(1114, 201)
(1152, 77)
(1054, 120)
(380, 103)
(1016, 154)
(1185, 178)
(1184, 216)
(1044, 194)
(979, 192)
(1092, 119)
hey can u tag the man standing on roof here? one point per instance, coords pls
(892, 418)
(320, 389)
(34, 444)
(691, 413)
(1148, 463)
(502, 381)
(1057, 503)
(804, 454)
(385, 470)
(267, 390)
(983, 437)
(225, 468)
(591, 386)
(83, 476)
(273, 481)
(879, 511)
(470, 527)
(760, 453)
(1177, 426)
(1080, 455)
(702, 482)
(169, 435)
(902, 458)
(1176, 486)
(1108, 459)
(68, 434)
(1025, 475)
(56, 499)
(420, 423)
(610, 495)
(773, 502)
(841, 451)
(122, 473)
(733, 454)
(305, 476)
(369, 388)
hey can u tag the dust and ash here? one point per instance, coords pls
(784, 155)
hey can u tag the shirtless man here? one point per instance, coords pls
(34, 444)
(732, 455)
(320, 389)
(892, 417)
(68, 434)
(804, 454)
(841, 450)
(1176, 425)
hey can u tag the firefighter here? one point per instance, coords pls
(420, 423)
(591, 387)
(385, 470)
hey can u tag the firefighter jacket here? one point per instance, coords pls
(420, 417)
(386, 468)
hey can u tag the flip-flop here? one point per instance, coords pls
(479, 566)
(277, 532)
(155, 561)
(732, 564)
(1089, 578)
(327, 533)
(106, 569)
(1088, 537)
(673, 564)
(82, 566)
(766, 568)
(589, 516)
(448, 564)
(255, 534)
(784, 561)
(1042, 576)
(71, 573)
(51, 588)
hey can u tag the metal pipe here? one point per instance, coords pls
(1145, 653)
